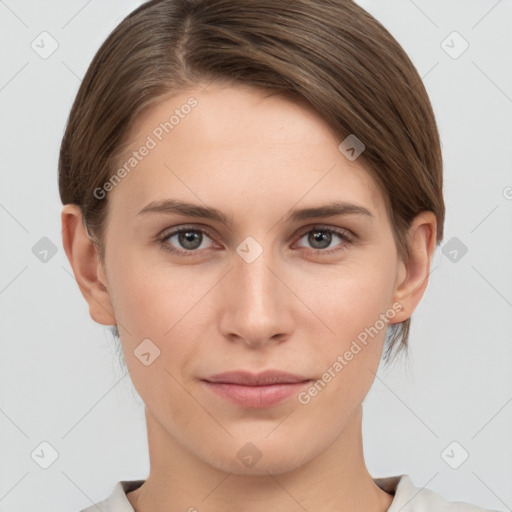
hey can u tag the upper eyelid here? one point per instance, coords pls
(321, 227)
(207, 229)
(166, 233)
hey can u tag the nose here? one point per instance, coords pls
(255, 301)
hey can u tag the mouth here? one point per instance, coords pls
(256, 390)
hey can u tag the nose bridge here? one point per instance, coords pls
(256, 304)
(253, 265)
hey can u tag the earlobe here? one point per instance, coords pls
(87, 268)
(412, 278)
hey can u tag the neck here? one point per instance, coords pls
(335, 481)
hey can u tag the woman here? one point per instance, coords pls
(252, 197)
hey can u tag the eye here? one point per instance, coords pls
(189, 241)
(321, 238)
(187, 238)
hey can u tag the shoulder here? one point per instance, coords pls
(409, 498)
(117, 501)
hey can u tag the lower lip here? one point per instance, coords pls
(256, 396)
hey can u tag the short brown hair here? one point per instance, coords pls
(330, 53)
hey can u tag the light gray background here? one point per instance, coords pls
(59, 377)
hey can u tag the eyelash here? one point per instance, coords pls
(166, 236)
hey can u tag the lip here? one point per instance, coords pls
(259, 390)
(265, 378)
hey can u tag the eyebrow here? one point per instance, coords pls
(174, 206)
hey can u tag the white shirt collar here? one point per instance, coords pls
(407, 498)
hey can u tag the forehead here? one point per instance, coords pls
(247, 114)
(234, 139)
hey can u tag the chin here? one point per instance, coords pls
(259, 458)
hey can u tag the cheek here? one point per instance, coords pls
(352, 304)
(150, 295)
(352, 298)
(153, 308)
(161, 303)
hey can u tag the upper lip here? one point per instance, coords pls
(265, 378)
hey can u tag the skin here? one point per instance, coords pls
(254, 156)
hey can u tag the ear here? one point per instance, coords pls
(84, 259)
(412, 277)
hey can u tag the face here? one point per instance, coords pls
(259, 285)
